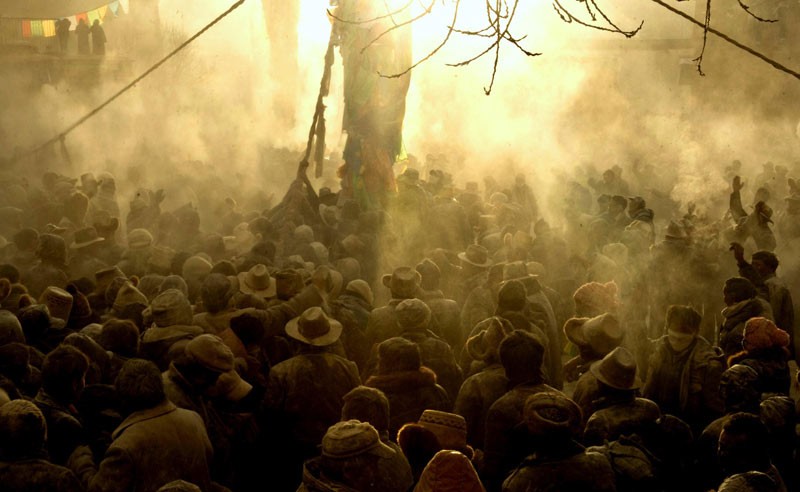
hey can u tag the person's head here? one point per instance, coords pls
(738, 389)
(23, 431)
(511, 296)
(367, 405)
(403, 282)
(521, 355)
(398, 355)
(617, 205)
(744, 445)
(248, 327)
(413, 315)
(205, 358)
(551, 416)
(765, 263)
(10, 273)
(139, 385)
(52, 249)
(26, 239)
(120, 337)
(64, 373)
(430, 273)
(593, 299)
(609, 176)
(683, 326)
(762, 334)
(216, 292)
(736, 290)
(636, 204)
(350, 453)
(751, 481)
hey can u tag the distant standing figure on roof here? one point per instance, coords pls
(98, 39)
(62, 32)
(82, 32)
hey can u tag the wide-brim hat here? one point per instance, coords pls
(617, 370)
(314, 327)
(353, 438)
(476, 255)
(403, 282)
(86, 237)
(258, 282)
(602, 333)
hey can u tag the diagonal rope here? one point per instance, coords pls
(129, 86)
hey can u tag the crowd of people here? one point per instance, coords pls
(459, 340)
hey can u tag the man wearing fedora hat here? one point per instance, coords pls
(85, 251)
(304, 393)
(403, 284)
(475, 263)
(554, 423)
(619, 411)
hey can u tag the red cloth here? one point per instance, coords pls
(26, 29)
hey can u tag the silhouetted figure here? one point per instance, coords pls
(82, 31)
(98, 39)
(62, 32)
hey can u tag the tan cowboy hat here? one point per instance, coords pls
(314, 327)
(602, 333)
(258, 282)
(86, 237)
(476, 255)
(617, 370)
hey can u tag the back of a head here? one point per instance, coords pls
(739, 289)
(248, 328)
(744, 444)
(139, 385)
(120, 337)
(521, 355)
(367, 405)
(397, 355)
(9, 272)
(511, 296)
(751, 481)
(63, 368)
(22, 431)
(216, 292)
(683, 318)
(768, 258)
(739, 388)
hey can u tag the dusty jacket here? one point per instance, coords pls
(568, 469)
(315, 481)
(36, 476)
(437, 355)
(150, 449)
(161, 344)
(732, 329)
(621, 418)
(382, 323)
(64, 430)
(700, 401)
(304, 394)
(410, 393)
(353, 312)
(476, 397)
(445, 318)
(505, 446)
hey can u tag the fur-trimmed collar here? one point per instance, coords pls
(403, 381)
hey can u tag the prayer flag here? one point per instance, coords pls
(83, 16)
(102, 12)
(36, 28)
(49, 27)
(73, 22)
(124, 6)
(93, 16)
(114, 7)
(26, 29)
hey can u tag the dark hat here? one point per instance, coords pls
(398, 354)
(403, 282)
(485, 345)
(353, 438)
(210, 352)
(314, 327)
(104, 277)
(22, 425)
(430, 273)
(170, 308)
(104, 223)
(602, 333)
(617, 370)
(362, 289)
(367, 405)
(741, 287)
(512, 296)
(684, 319)
(179, 486)
(476, 255)
(675, 231)
(413, 315)
(139, 239)
(551, 414)
(10, 329)
(128, 294)
(86, 237)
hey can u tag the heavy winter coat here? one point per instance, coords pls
(64, 430)
(505, 446)
(698, 396)
(731, 331)
(569, 469)
(436, 354)
(772, 366)
(410, 393)
(621, 418)
(445, 318)
(476, 397)
(151, 448)
(35, 476)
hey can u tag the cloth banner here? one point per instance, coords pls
(36, 28)
(114, 7)
(102, 12)
(83, 16)
(26, 29)
(49, 27)
(93, 15)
